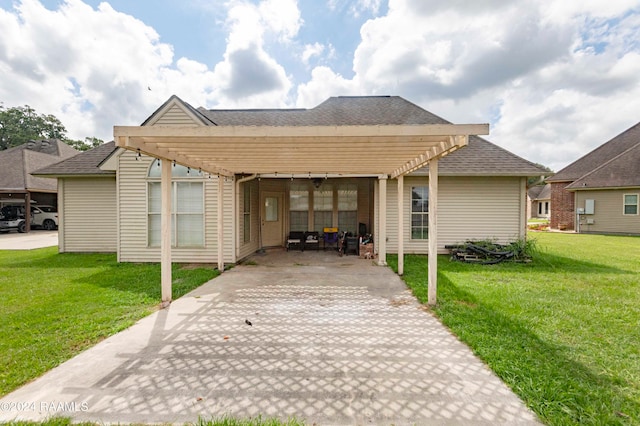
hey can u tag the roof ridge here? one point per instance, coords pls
(606, 163)
(610, 142)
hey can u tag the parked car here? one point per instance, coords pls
(45, 217)
(12, 217)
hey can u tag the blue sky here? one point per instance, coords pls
(554, 78)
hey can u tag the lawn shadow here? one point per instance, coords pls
(543, 262)
(556, 387)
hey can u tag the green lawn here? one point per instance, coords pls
(563, 331)
(53, 306)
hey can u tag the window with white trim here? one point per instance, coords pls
(299, 207)
(348, 208)
(420, 213)
(187, 207)
(323, 207)
(630, 204)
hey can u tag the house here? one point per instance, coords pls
(539, 199)
(17, 184)
(599, 193)
(242, 180)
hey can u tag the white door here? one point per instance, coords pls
(271, 219)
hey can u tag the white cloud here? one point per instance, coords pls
(554, 78)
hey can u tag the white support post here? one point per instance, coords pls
(382, 214)
(432, 282)
(400, 224)
(165, 232)
(221, 224)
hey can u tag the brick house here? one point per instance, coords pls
(601, 189)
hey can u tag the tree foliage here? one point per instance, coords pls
(18, 125)
(537, 180)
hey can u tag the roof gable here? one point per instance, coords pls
(599, 156)
(176, 112)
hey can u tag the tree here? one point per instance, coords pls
(536, 180)
(89, 142)
(18, 125)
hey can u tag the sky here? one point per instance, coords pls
(553, 78)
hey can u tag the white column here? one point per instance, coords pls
(400, 224)
(220, 223)
(165, 232)
(432, 283)
(382, 214)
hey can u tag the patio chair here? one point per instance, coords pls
(295, 239)
(311, 240)
(330, 236)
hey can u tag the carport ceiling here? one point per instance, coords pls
(336, 150)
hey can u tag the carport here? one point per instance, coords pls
(382, 151)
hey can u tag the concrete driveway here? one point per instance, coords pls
(333, 341)
(28, 241)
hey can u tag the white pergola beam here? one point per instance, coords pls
(165, 233)
(432, 279)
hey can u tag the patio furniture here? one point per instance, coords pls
(312, 240)
(295, 239)
(330, 236)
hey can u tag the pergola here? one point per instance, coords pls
(381, 151)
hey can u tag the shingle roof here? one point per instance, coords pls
(479, 158)
(335, 111)
(619, 172)
(540, 192)
(85, 163)
(18, 164)
(599, 156)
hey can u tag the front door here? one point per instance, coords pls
(271, 219)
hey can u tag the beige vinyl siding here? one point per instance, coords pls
(133, 217)
(88, 215)
(468, 208)
(175, 116)
(608, 214)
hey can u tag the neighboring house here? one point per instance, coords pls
(17, 184)
(87, 202)
(600, 192)
(539, 198)
(110, 198)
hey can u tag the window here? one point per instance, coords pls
(630, 204)
(546, 207)
(187, 208)
(299, 207)
(348, 208)
(322, 208)
(420, 213)
(246, 214)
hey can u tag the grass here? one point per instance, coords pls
(56, 305)
(563, 331)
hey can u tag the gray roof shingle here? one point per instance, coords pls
(85, 163)
(479, 158)
(20, 162)
(599, 156)
(619, 172)
(335, 111)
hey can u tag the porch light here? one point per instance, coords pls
(138, 155)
